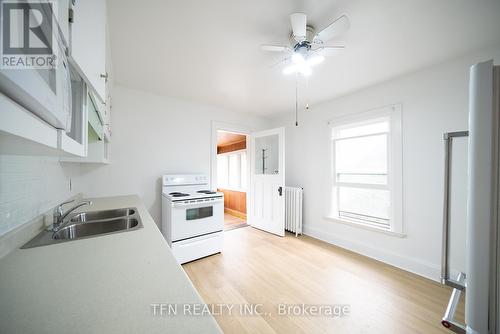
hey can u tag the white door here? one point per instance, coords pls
(267, 181)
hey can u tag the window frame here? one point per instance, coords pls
(394, 185)
(242, 175)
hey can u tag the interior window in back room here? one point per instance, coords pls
(232, 176)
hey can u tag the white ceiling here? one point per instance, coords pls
(208, 51)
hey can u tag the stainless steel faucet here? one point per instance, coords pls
(59, 215)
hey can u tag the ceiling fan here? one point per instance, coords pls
(307, 46)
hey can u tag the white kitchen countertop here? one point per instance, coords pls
(104, 284)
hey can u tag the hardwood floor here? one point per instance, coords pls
(232, 222)
(259, 268)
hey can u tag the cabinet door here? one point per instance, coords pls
(75, 141)
(109, 86)
(63, 19)
(88, 42)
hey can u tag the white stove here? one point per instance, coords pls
(192, 216)
(186, 196)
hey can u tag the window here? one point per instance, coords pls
(232, 170)
(366, 156)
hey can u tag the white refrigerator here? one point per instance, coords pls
(481, 280)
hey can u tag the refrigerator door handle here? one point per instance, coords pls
(445, 275)
(448, 320)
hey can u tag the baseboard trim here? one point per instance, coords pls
(236, 213)
(415, 266)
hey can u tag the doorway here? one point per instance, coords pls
(232, 177)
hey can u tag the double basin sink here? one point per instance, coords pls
(90, 224)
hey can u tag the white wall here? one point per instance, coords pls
(31, 185)
(434, 101)
(154, 135)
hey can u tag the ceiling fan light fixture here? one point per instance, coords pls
(315, 60)
(307, 46)
(303, 69)
(297, 58)
(290, 69)
(302, 65)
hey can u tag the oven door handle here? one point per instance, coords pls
(197, 203)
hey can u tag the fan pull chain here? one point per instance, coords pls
(307, 94)
(296, 100)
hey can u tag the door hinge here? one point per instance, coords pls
(280, 191)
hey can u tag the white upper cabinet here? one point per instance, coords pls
(47, 111)
(109, 87)
(63, 19)
(88, 43)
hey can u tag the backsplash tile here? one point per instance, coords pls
(31, 185)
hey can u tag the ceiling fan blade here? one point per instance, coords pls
(274, 48)
(329, 50)
(299, 23)
(336, 28)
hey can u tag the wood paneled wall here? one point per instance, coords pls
(235, 203)
(232, 147)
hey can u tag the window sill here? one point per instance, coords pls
(365, 227)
